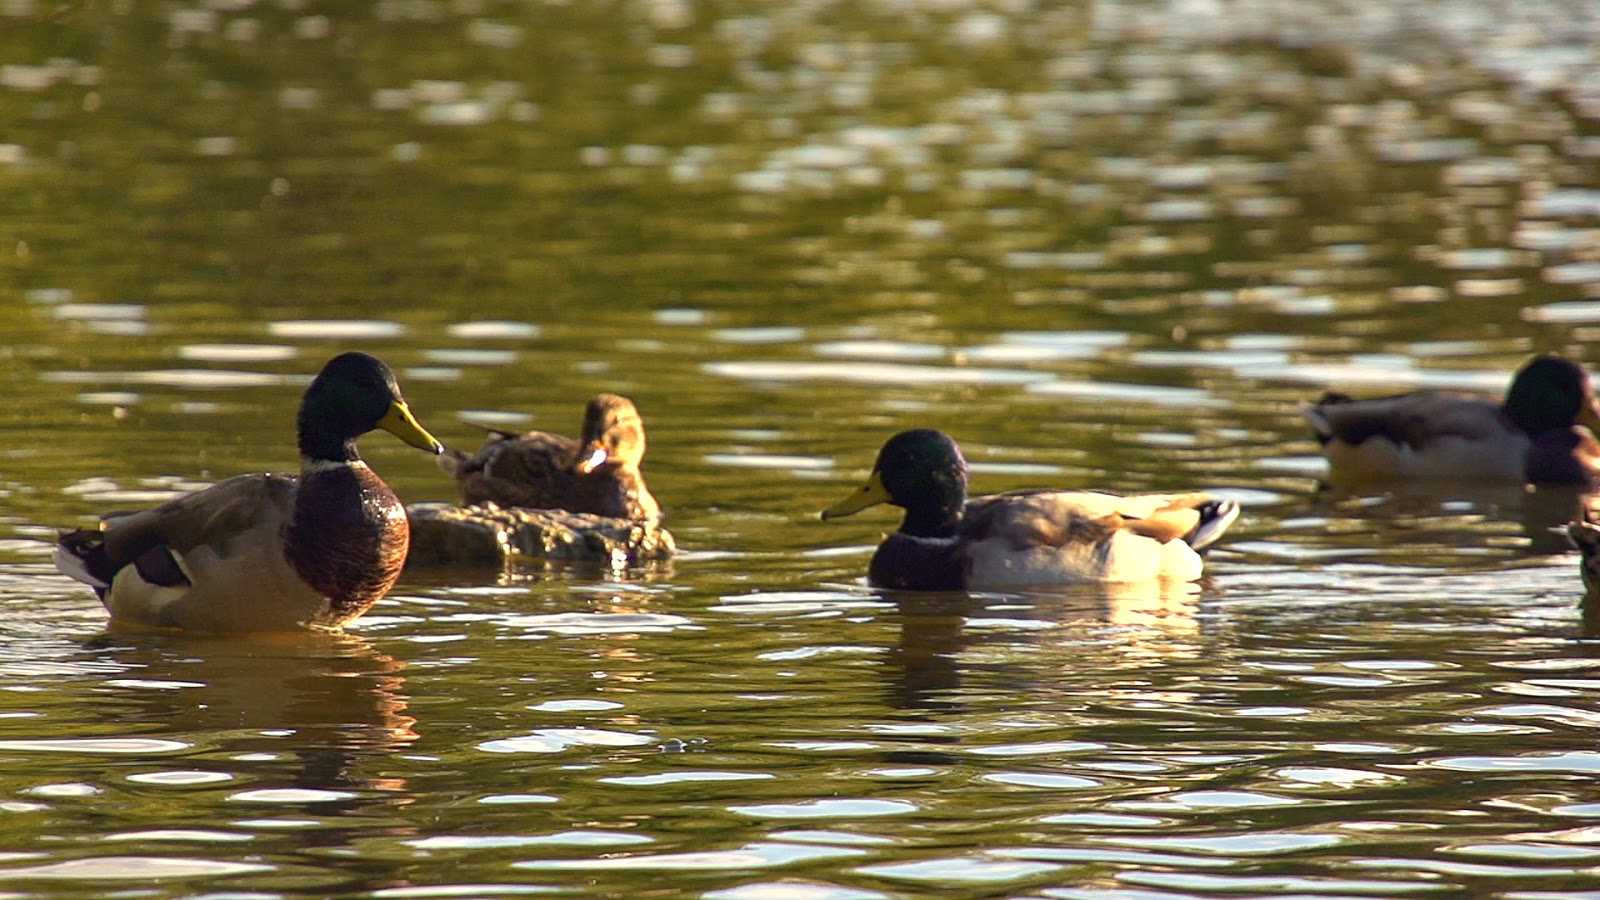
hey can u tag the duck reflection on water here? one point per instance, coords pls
(303, 725)
(940, 631)
(1383, 520)
(338, 696)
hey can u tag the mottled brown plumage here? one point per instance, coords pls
(261, 553)
(597, 474)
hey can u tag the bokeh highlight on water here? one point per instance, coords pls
(1102, 243)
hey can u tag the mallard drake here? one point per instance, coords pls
(1020, 538)
(1530, 436)
(597, 474)
(266, 552)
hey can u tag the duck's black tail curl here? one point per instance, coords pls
(1215, 517)
(81, 554)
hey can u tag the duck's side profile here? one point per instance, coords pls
(1022, 538)
(1543, 432)
(597, 474)
(267, 552)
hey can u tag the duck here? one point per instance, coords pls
(596, 474)
(1542, 432)
(1023, 538)
(267, 552)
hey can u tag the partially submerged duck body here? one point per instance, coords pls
(1023, 538)
(1543, 432)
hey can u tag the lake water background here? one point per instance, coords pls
(1101, 243)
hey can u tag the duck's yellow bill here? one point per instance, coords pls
(870, 494)
(399, 422)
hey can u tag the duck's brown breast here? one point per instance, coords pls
(1564, 456)
(904, 562)
(617, 491)
(348, 538)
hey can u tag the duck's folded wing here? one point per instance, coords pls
(1415, 419)
(1042, 518)
(530, 458)
(1196, 517)
(254, 506)
(1058, 518)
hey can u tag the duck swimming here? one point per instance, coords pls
(1532, 436)
(1021, 538)
(267, 552)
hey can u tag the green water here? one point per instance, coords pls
(1102, 244)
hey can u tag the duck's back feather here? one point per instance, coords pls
(1425, 434)
(1416, 419)
(216, 516)
(1055, 517)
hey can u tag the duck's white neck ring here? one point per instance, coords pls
(309, 466)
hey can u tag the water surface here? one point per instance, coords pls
(1103, 244)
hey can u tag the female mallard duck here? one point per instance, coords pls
(1529, 437)
(262, 553)
(1019, 538)
(598, 474)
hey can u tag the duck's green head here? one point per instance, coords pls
(612, 432)
(1551, 392)
(921, 471)
(352, 395)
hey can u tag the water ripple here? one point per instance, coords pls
(336, 329)
(106, 746)
(752, 856)
(834, 808)
(793, 890)
(131, 868)
(580, 838)
(1576, 761)
(556, 740)
(960, 870)
(871, 373)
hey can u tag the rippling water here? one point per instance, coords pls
(1103, 244)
